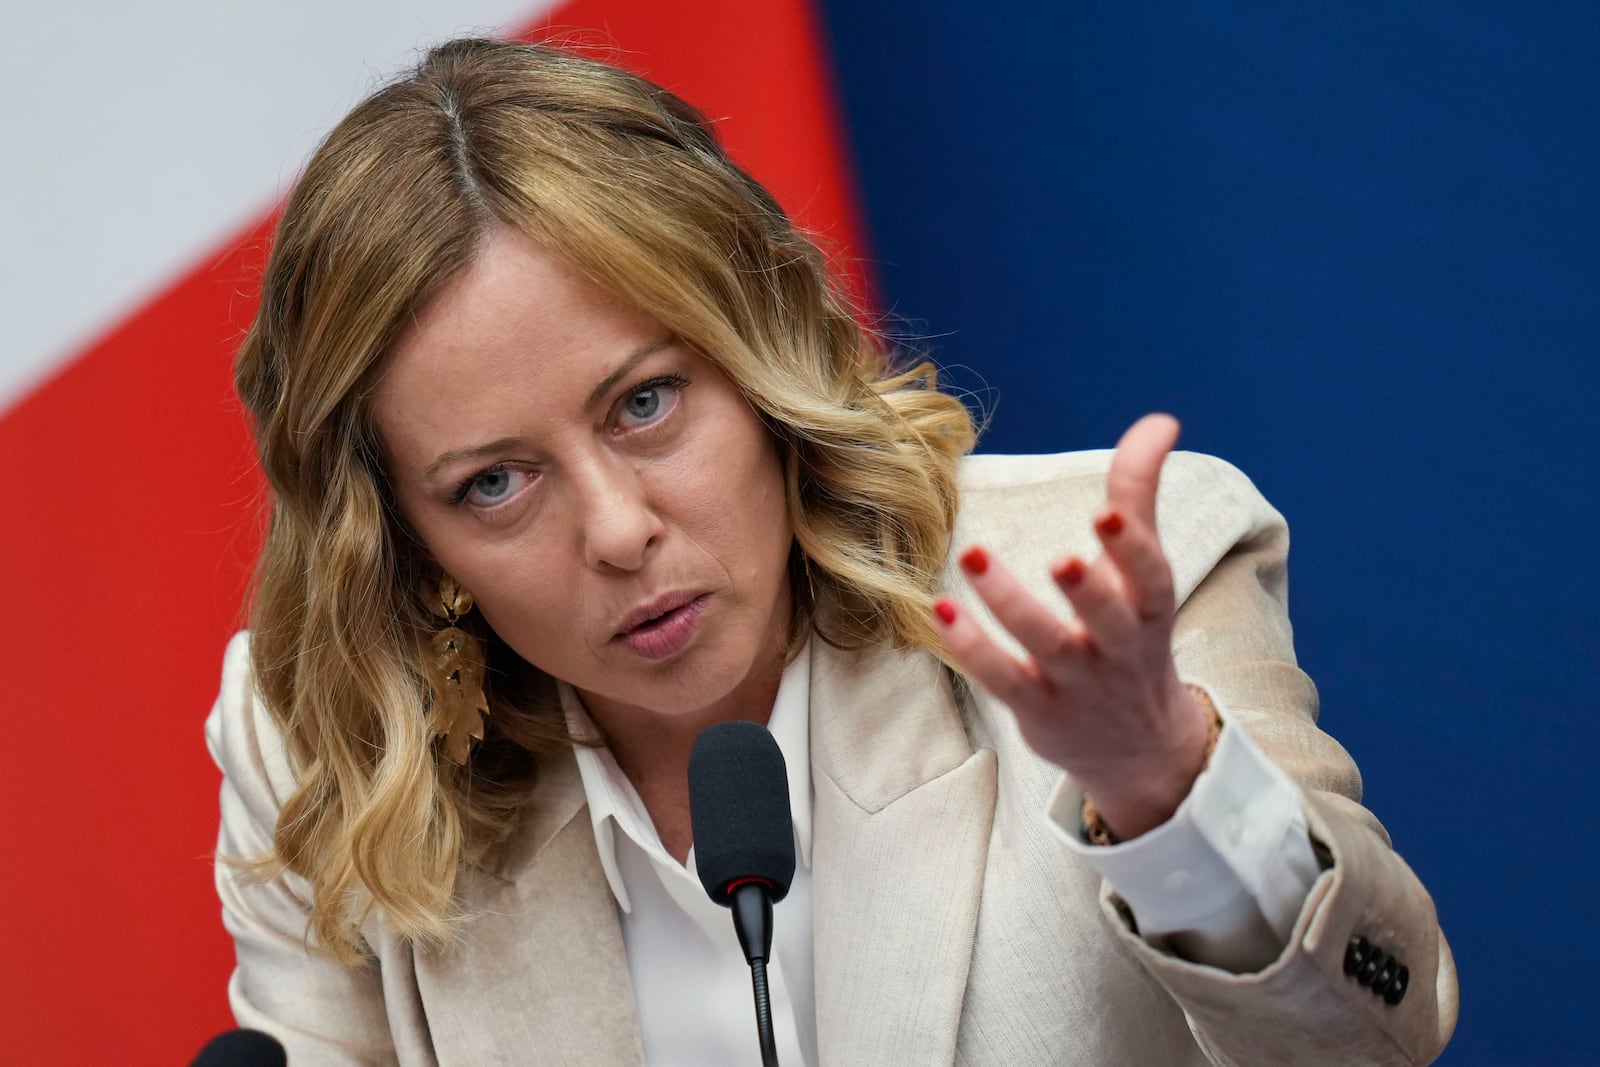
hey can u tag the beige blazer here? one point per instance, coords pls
(950, 926)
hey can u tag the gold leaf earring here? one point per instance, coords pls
(455, 671)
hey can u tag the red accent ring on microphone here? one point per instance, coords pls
(728, 889)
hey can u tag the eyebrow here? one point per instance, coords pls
(597, 394)
(625, 368)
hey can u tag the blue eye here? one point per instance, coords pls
(488, 489)
(492, 485)
(651, 401)
(643, 404)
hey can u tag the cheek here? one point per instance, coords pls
(544, 626)
(733, 504)
(528, 598)
(520, 591)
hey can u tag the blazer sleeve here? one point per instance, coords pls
(322, 1011)
(1232, 632)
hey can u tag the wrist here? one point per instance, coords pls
(1113, 814)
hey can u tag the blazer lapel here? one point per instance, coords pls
(543, 968)
(902, 816)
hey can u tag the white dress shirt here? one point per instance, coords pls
(1227, 874)
(1229, 871)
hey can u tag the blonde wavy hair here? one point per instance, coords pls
(627, 183)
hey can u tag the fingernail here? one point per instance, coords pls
(945, 610)
(975, 560)
(1071, 571)
(1109, 524)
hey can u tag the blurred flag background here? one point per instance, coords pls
(1354, 246)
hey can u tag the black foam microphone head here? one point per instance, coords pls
(241, 1048)
(739, 810)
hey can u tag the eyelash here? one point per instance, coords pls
(660, 381)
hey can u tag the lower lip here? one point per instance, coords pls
(668, 635)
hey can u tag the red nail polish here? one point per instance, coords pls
(975, 560)
(945, 610)
(1071, 572)
(1110, 524)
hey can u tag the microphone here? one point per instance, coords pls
(241, 1048)
(744, 842)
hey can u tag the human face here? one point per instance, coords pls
(609, 498)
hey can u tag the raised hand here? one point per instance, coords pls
(1097, 695)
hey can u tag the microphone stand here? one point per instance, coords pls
(751, 902)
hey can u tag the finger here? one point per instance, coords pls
(1011, 680)
(1041, 632)
(1136, 467)
(1136, 553)
(1096, 595)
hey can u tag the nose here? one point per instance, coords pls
(618, 521)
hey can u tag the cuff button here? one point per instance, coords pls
(1369, 969)
(1397, 988)
(1355, 954)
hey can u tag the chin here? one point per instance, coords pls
(697, 686)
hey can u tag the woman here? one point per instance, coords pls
(574, 453)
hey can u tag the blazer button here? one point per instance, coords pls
(1355, 954)
(1369, 969)
(1397, 988)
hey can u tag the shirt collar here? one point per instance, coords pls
(615, 805)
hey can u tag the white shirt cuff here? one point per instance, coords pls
(1239, 838)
